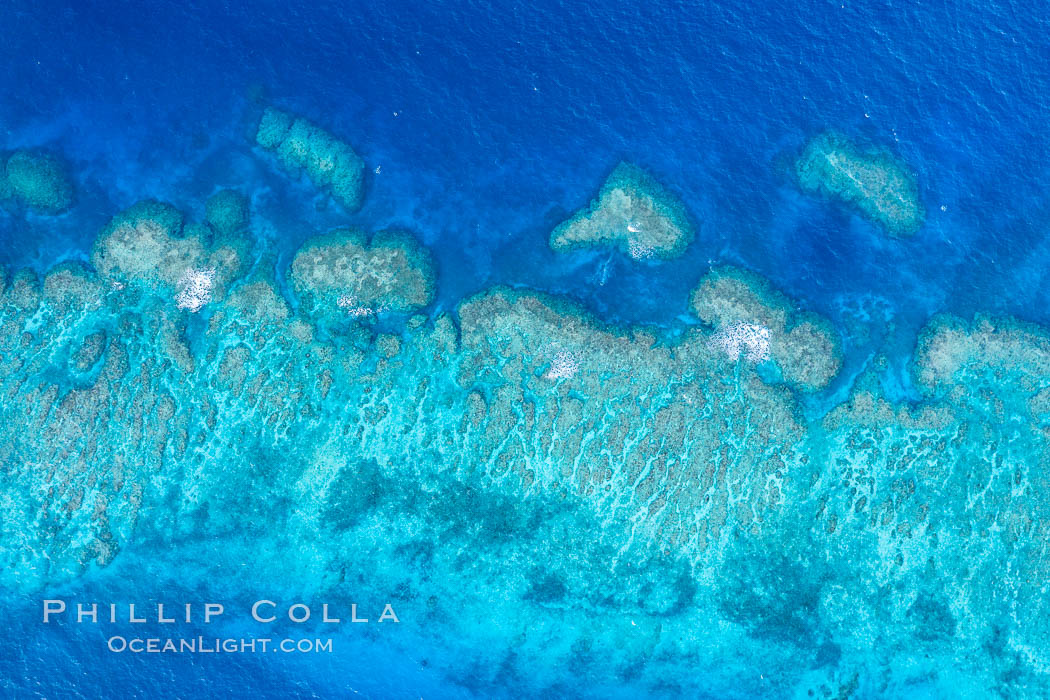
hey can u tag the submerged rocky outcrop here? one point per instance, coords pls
(37, 180)
(303, 147)
(871, 181)
(634, 213)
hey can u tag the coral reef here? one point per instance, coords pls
(632, 212)
(342, 274)
(37, 180)
(301, 146)
(520, 461)
(869, 180)
(550, 499)
(753, 320)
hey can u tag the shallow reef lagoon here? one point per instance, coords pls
(623, 350)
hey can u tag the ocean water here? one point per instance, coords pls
(483, 126)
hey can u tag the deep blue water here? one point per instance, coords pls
(490, 121)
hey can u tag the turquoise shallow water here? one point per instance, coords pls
(553, 465)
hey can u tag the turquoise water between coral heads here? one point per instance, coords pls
(348, 309)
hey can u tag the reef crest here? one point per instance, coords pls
(342, 274)
(753, 320)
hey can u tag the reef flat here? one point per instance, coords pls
(553, 500)
(302, 146)
(870, 181)
(634, 213)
